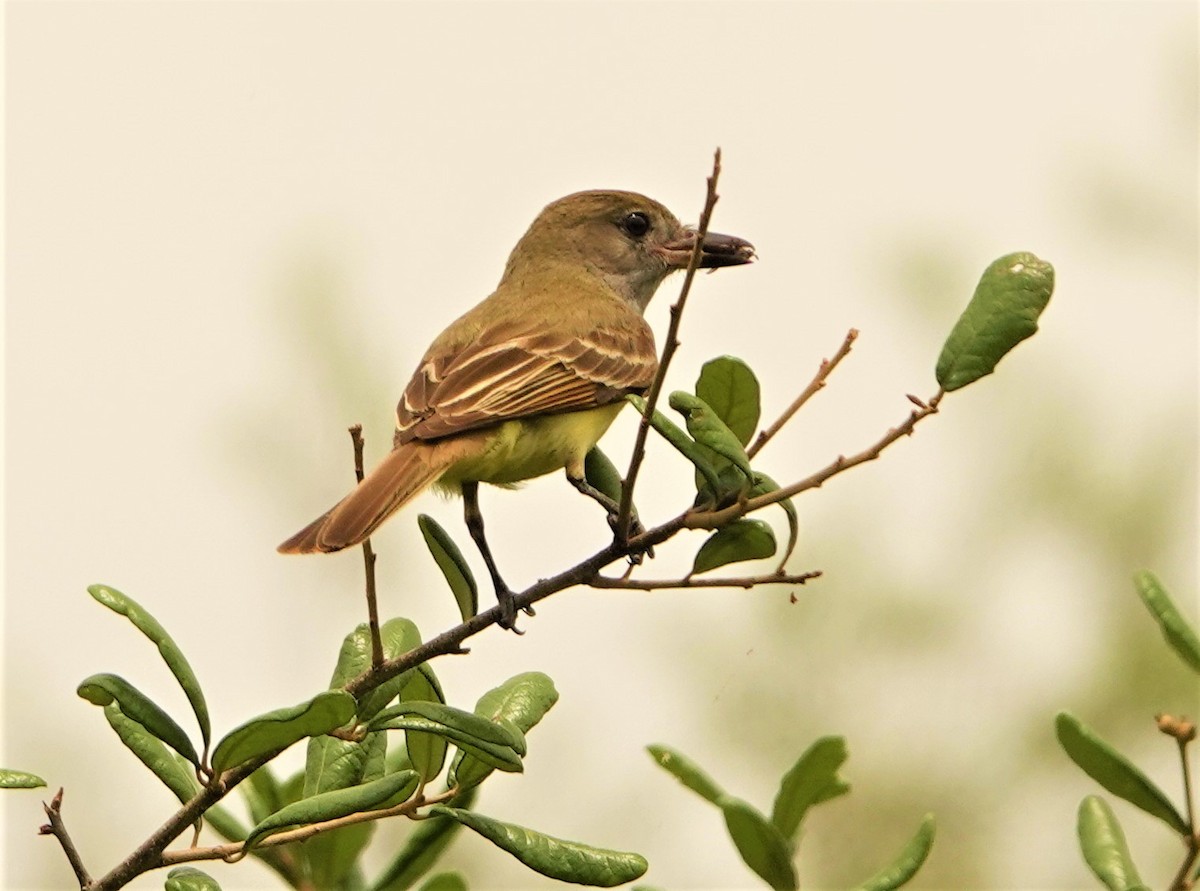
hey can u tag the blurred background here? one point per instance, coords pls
(233, 229)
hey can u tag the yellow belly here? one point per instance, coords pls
(530, 447)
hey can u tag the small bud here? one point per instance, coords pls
(1181, 729)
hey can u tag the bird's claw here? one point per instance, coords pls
(635, 529)
(508, 611)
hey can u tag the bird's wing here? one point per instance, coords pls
(514, 373)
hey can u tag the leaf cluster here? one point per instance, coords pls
(768, 844)
(1101, 837)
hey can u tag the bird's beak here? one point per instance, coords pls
(716, 250)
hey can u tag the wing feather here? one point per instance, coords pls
(517, 374)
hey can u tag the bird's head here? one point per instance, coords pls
(630, 241)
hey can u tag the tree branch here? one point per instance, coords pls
(235, 851)
(58, 829)
(817, 383)
(368, 558)
(712, 519)
(748, 581)
(1180, 881)
(625, 511)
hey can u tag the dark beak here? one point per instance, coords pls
(716, 250)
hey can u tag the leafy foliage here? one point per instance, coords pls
(1101, 838)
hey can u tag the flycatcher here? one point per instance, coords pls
(529, 380)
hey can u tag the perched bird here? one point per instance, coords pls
(529, 380)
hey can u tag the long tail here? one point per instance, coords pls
(400, 477)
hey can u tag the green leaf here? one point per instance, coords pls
(407, 717)
(422, 849)
(426, 751)
(188, 878)
(710, 431)
(333, 856)
(811, 780)
(167, 648)
(731, 483)
(563, 860)
(445, 881)
(761, 846)
(735, 542)
(465, 723)
(1004, 311)
(687, 772)
(521, 701)
(262, 793)
(730, 388)
(602, 474)
(279, 729)
(764, 485)
(381, 794)
(152, 753)
(101, 689)
(1104, 847)
(1175, 628)
(19, 779)
(397, 758)
(398, 636)
(292, 789)
(375, 765)
(905, 866)
(493, 755)
(453, 565)
(225, 824)
(331, 763)
(682, 443)
(1114, 771)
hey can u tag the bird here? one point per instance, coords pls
(527, 381)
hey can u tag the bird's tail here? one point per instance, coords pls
(400, 477)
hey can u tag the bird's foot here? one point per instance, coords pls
(508, 610)
(636, 528)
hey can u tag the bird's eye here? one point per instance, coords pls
(636, 224)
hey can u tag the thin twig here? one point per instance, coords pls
(715, 519)
(748, 581)
(817, 383)
(58, 829)
(235, 851)
(1180, 882)
(368, 558)
(1187, 783)
(625, 511)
